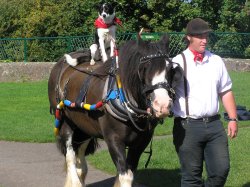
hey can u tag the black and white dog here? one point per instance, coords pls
(105, 35)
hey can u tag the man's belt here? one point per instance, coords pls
(204, 119)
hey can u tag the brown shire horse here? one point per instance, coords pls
(147, 79)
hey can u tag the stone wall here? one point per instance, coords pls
(20, 72)
(35, 71)
(237, 64)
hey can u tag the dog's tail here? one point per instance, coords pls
(71, 61)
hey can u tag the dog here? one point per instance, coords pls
(105, 34)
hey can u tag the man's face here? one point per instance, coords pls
(198, 42)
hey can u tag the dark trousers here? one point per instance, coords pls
(198, 141)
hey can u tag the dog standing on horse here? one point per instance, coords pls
(105, 35)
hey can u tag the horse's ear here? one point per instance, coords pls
(140, 41)
(177, 76)
(164, 42)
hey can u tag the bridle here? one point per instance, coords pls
(147, 89)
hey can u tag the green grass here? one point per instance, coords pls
(25, 117)
(25, 112)
(163, 169)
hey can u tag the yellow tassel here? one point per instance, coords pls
(86, 106)
(61, 105)
(56, 131)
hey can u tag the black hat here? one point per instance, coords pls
(197, 26)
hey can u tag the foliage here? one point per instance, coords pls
(32, 18)
(226, 45)
(235, 16)
(247, 52)
(54, 18)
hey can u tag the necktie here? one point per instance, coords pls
(197, 56)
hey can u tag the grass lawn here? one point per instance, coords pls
(25, 112)
(25, 117)
(163, 169)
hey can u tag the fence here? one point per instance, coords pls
(47, 49)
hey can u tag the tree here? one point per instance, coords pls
(31, 18)
(234, 16)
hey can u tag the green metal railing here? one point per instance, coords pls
(47, 49)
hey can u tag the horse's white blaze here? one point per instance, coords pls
(72, 178)
(161, 102)
(126, 179)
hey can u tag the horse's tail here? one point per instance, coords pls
(71, 61)
(92, 146)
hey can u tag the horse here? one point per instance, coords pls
(120, 101)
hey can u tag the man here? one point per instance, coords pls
(198, 132)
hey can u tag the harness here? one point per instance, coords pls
(115, 100)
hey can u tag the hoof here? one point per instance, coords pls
(92, 62)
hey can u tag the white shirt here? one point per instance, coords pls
(205, 80)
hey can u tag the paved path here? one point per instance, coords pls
(39, 165)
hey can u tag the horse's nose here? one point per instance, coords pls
(166, 108)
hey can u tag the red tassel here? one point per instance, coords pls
(58, 114)
(99, 104)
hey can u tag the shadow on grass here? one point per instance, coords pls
(104, 183)
(246, 185)
(158, 177)
(148, 178)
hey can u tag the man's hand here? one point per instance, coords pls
(232, 129)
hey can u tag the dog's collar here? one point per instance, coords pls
(99, 23)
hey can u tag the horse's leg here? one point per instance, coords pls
(134, 153)
(118, 154)
(72, 179)
(72, 176)
(125, 179)
(133, 158)
(81, 164)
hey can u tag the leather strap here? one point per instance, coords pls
(185, 82)
(83, 91)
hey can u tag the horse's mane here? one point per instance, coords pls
(130, 55)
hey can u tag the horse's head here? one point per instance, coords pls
(151, 76)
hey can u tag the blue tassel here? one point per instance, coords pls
(93, 107)
(57, 123)
(67, 103)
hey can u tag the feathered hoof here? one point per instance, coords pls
(92, 62)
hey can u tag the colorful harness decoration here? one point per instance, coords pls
(112, 94)
(70, 104)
